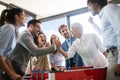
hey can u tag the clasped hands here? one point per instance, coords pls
(57, 43)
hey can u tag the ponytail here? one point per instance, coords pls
(3, 17)
(8, 15)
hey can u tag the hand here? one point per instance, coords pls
(16, 77)
(105, 54)
(117, 70)
(20, 78)
(90, 20)
(47, 44)
(57, 43)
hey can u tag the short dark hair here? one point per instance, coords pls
(61, 26)
(33, 22)
(102, 3)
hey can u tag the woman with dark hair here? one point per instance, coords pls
(10, 21)
(39, 62)
(42, 62)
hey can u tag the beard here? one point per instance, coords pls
(95, 12)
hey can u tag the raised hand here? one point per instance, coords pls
(57, 43)
(91, 20)
(47, 44)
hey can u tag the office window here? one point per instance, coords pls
(83, 19)
(2, 8)
(51, 27)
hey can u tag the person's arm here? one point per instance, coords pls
(95, 26)
(63, 52)
(27, 42)
(100, 46)
(8, 62)
(6, 34)
(71, 51)
(105, 54)
(5, 67)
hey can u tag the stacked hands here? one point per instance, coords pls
(57, 43)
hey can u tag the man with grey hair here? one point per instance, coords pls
(88, 46)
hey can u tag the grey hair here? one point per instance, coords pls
(77, 25)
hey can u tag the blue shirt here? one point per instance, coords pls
(110, 19)
(7, 39)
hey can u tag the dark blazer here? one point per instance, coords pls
(76, 60)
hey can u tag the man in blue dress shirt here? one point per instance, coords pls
(76, 60)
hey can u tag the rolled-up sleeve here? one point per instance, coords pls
(6, 33)
(99, 43)
(27, 42)
(72, 50)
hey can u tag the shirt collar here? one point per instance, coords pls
(68, 39)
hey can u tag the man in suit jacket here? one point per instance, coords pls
(76, 60)
(26, 47)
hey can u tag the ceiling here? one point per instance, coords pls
(47, 8)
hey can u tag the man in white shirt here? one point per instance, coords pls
(88, 46)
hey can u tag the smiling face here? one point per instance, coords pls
(77, 29)
(64, 31)
(21, 19)
(53, 38)
(76, 32)
(35, 29)
(92, 7)
(41, 40)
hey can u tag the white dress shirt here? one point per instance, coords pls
(90, 48)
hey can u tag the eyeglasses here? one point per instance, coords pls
(37, 26)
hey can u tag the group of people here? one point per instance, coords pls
(79, 49)
(56, 60)
(14, 57)
(16, 49)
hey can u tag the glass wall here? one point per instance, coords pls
(84, 18)
(2, 8)
(51, 27)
